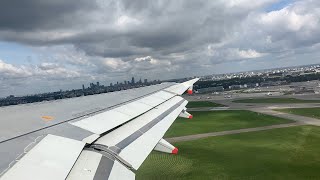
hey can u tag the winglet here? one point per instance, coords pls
(183, 87)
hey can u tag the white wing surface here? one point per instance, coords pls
(105, 136)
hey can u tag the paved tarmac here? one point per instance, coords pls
(221, 133)
(297, 118)
(267, 108)
(264, 108)
(233, 96)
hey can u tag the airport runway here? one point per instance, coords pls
(297, 118)
(221, 133)
(267, 108)
(264, 108)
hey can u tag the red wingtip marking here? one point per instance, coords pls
(190, 117)
(190, 91)
(175, 151)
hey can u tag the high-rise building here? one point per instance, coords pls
(82, 86)
(132, 80)
(98, 84)
(145, 81)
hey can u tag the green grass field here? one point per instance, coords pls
(196, 104)
(275, 100)
(288, 153)
(213, 121)
(309, 112)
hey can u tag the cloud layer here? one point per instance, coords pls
(112, 40)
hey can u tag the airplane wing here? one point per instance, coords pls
(105, 136)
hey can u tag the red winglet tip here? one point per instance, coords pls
(175, 151)
(190, 117)
(190, 91)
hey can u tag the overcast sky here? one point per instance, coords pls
(47, 45)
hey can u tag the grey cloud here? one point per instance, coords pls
(103, 39)
(48, 66)
(295, 26)
(19, 15)
(161, 25)
(9, 71)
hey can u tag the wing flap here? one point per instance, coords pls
(136, 152)
(86, 166)
(108, 120)
(115, 137)
(136, 139)
(52, 158)
(119, 171)
(95, 166)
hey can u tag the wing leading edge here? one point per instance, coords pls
(121, 139)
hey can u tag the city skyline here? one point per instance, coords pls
(93, 86)
(115, 40)
(207, 84)
(92, 89)
(216, 77)
(145, 81)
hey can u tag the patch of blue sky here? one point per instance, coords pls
(15, 53)
(280, 4)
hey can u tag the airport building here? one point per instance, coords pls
(211, 89)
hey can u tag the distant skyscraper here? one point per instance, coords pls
(145, 81)
(98, 84)
(82, 86)
(111, 84)
(132, 80)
